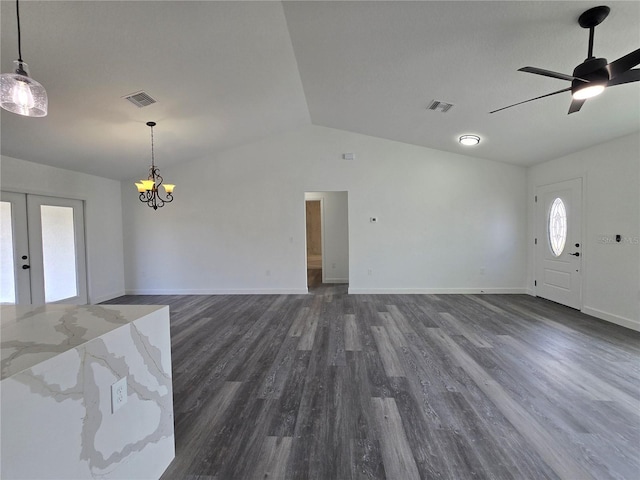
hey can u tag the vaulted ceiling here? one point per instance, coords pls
(229, 73)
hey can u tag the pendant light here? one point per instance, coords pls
(20, 93)
(149, 188)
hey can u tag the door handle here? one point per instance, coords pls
(26, 267)
(577, 254)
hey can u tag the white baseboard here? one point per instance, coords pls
(239, 291)
(106, 298)
(335, 280)
(609, 317)
(436, 291)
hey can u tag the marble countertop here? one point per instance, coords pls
(32, 334)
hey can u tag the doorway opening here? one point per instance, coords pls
(314, 243)
(327, 238)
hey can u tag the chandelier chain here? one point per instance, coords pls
(152, 156)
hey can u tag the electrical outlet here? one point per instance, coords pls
(369, 272)
(118, 394)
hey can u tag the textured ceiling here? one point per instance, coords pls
(228, 73)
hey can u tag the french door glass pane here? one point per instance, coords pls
(7, 278)
(59, 253)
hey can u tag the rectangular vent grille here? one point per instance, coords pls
(140, 99)
(439, 106)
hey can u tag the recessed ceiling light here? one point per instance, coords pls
(469, 140)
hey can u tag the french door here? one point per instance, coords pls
(559, 242)
(42, 250)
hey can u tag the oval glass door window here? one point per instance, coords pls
(557, 227)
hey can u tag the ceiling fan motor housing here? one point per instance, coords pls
(594, 70)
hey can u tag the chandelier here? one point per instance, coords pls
(19, 93)
(149, 189)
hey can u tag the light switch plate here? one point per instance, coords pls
(118, 394)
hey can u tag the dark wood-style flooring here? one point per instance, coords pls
(336, 386)
(314, 277)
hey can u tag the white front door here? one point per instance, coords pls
(558, 251)
(43, 251)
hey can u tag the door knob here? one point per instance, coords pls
(25, 267)
(577, 254)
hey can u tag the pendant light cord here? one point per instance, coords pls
(19, 42)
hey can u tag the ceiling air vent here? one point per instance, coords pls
(140, 99)
(439, 106)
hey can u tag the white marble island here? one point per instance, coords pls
(58, 365)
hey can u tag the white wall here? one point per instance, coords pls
(103, 217)
(446, 222)
(611, 205)
(335, 235)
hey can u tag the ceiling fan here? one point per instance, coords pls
(592, 76)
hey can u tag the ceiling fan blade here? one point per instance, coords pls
(532, 99)
(576, 105)
(623, 64)
(627, 77)
(549, 73)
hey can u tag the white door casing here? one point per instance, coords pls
(16, 221)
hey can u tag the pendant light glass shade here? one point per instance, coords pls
(21, 94)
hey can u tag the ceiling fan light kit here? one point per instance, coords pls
(19, 93)
(588, 91)
(594, 75)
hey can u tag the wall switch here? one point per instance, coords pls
(349, 156)
(369, 272)
(118, 394)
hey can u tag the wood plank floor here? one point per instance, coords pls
(336, 386)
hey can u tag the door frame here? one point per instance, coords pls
(584, 249)
(20, 231)
(322, 242)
